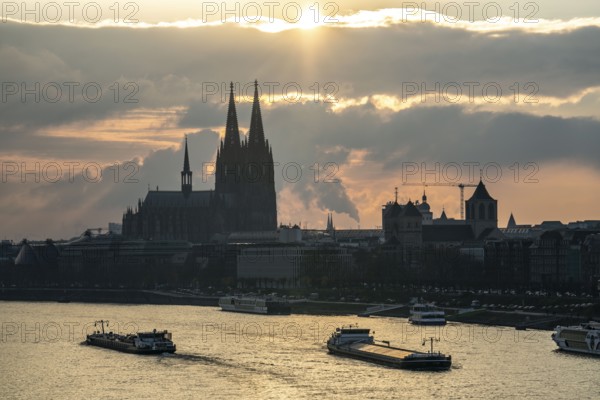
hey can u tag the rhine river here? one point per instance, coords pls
(241, 356)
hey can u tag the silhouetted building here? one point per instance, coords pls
(447, 235)
(511, 222)
(109, 259)
(402, 225)
(8, 252)
(330, 227)
(295, 266)
(550, 225)
(37, 255)
(444, 220)
(556, 260)
(425, 210)
(591, 261)
(482, 211)
(507, 262)
(244, 198)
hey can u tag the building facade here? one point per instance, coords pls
(402, 225)
(244, 198)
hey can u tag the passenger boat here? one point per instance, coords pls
(155, 342)
(427, 314)
(255, 305)
(357, 342)
(583, 338)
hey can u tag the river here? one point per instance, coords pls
(224, 355)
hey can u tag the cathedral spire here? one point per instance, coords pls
(186, 174)
(330, 227)
(257, 134)
(232, 133)
(186, 158)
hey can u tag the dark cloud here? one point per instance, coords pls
(305, 135)
(310, 134)
(169, 66)
(204, 114)
(77, 199)
(20, 144)
(449, 134)
(178, 60)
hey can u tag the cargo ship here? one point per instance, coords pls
(357, 342)
(155, 342)
(583, 338)
(255, 305)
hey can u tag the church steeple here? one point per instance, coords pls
(232, 133)
(186, 158)
(443, 216)
(511, 222)
(257, 134)
(186, 174)
(330, 228)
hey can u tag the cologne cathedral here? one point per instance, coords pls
(243, 200)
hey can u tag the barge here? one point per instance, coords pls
(356, 342)
(155, 342)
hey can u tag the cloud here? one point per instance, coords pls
(66, 200)
(368, 143)
(442, 134)
(367, 154)
(561, 63)
(472, 17)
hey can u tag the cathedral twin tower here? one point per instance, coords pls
(244, 198)
(245, 171)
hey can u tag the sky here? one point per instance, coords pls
(358, 98)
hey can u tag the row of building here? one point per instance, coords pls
(566, 258)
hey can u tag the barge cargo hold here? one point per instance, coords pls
(358, 343)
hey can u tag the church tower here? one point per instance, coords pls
(330, 228)
(245, 178)
(186, 174)
(229, 154)
(259, 175)
(425, 210)
(482, 210)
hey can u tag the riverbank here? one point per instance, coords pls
(117, 296)
(521, 319)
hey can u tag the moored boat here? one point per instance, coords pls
(583, 338)
(427, 314)
(357, 342)
(255, 305)
(155, 342)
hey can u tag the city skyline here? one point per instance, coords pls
(364, 125)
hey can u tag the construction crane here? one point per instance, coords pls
(461, 186)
